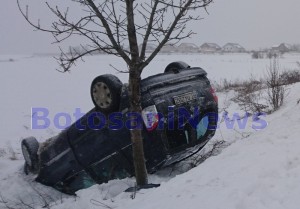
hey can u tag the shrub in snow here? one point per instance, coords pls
(2, 152)
(250, 97)
(290, 77)
(257, 55)
(276, 90)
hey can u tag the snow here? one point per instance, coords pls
(260, 169)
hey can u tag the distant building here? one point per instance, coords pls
(168, 48)
(188, 48)
(210, 48)
(233, 47)
(149, 48)
(76, 50)
(282, 48)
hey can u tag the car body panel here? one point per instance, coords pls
(77, 157)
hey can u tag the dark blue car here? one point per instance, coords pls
(179, 117)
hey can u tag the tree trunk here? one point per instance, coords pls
(136, 134)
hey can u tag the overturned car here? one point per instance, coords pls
(179, 117)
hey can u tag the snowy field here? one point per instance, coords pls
(260, 171)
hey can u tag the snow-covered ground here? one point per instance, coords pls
(260, 169)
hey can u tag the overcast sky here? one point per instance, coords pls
(252, 23)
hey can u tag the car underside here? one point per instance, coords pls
(179, 117)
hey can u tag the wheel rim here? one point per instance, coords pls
(26, 156)
(102, 95)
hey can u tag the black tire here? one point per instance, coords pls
(26, 169)
(176, 66)
(30, 147)
(105, 93)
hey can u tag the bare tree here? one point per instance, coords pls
(108, 25)
(276, 89)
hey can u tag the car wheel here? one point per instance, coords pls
(26, 169)
(176, 66)
(105, 93)
(30, 148)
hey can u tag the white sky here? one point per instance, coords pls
(252, 23)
